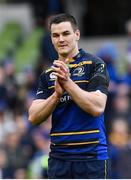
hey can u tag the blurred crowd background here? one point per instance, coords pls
(26, 50)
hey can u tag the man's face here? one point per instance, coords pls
(64, 38)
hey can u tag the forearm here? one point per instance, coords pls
(91, 102)
(42, 109)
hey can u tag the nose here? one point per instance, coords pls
(61, 39)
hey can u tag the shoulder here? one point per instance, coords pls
(95, 59)
(47, 75)
(46, 72)
(92, 59)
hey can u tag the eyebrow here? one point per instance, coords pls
(66, 31)
(62, 32)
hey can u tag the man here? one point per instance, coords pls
(74, 92)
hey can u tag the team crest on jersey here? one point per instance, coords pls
(79, 71)
(52, 76)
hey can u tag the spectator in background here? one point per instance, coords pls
(47, 49)
(127, 67)
(6, 118)
(55, 6)
(30, 80)
(20, 173)
(128, 31)
(3, 164)
(39, 163)
(11, 84)
(127, 76)
(3, 88)
(7, 124)
(121, 103)
(119, 148)
(108, 52)
(16, 154)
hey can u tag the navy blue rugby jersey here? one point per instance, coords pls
(75, 134)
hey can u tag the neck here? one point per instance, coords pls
(63, 57)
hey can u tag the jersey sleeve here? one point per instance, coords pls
(42, 90)
(99, 77)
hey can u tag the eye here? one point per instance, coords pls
(55, 35)
(66, 33)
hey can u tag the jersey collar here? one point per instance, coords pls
(79, 55)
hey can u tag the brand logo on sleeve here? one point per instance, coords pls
(101, 68)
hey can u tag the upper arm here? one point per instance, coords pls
(37, 101)
(99, 77)
(102, 97)
(35, 104)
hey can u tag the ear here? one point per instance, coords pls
(77, 32)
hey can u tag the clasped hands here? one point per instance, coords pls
(61, 71)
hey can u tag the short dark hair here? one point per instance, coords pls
(64, 18)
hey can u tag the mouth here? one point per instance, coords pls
(62, 46)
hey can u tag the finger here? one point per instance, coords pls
(62, 66)
(59, 71)
(55, 68)
(59, 76)
(61, 62)
(65, 65)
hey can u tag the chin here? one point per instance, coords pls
(63, 53)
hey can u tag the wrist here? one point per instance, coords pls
(56, 96)
(67, 84)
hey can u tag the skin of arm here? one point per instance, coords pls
(91, 102)
(41, 109)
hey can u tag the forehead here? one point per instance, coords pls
(61, 27)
